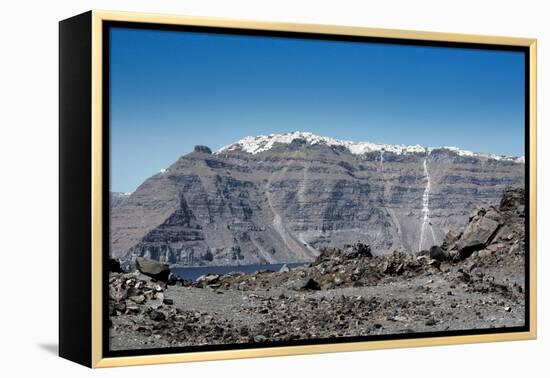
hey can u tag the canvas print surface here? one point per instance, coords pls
(269, 190)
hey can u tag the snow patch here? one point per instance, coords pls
(261, 143)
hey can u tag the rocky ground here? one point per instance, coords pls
(474, 280)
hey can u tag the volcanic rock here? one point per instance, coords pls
(310, 284)
(157, 315)
(437, 253)
(114, 266)
(153, 269)
(478, 233)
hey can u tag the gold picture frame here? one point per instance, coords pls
(92, 355)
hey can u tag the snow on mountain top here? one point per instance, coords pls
(261, 143)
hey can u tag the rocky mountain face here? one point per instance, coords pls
(117, 198)
(283, 198)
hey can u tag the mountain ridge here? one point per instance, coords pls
(290, 200)
(262, 143)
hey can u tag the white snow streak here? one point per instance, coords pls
(262, 143)
(426, 223)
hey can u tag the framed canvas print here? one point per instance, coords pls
(235, 189)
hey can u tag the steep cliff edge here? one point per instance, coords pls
(282, 198)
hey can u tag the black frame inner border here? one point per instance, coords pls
(107, 25)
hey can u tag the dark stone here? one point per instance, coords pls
(311, 284)
(167, 301)
(357, 250)
(430, 322)
(157, 316)
(363, 250)
(154, 269)
(203, 149)
(114, 266)
(172, 279)
(120, 306)
(243, 331)
(437, 253)
(463, 276)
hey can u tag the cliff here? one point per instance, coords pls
(283, 198)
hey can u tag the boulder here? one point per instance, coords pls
(157, 315)
(153, 269)
(477, 235)
(423, 252)
(437, 253)
(114, 266)
(172, 279)
(308, 284)
(363, 250)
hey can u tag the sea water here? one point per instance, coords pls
(192, 273)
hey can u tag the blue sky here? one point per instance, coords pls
(172, 90)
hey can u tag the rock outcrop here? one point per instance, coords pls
(495, 227)
(153, 269)
(286, 198)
